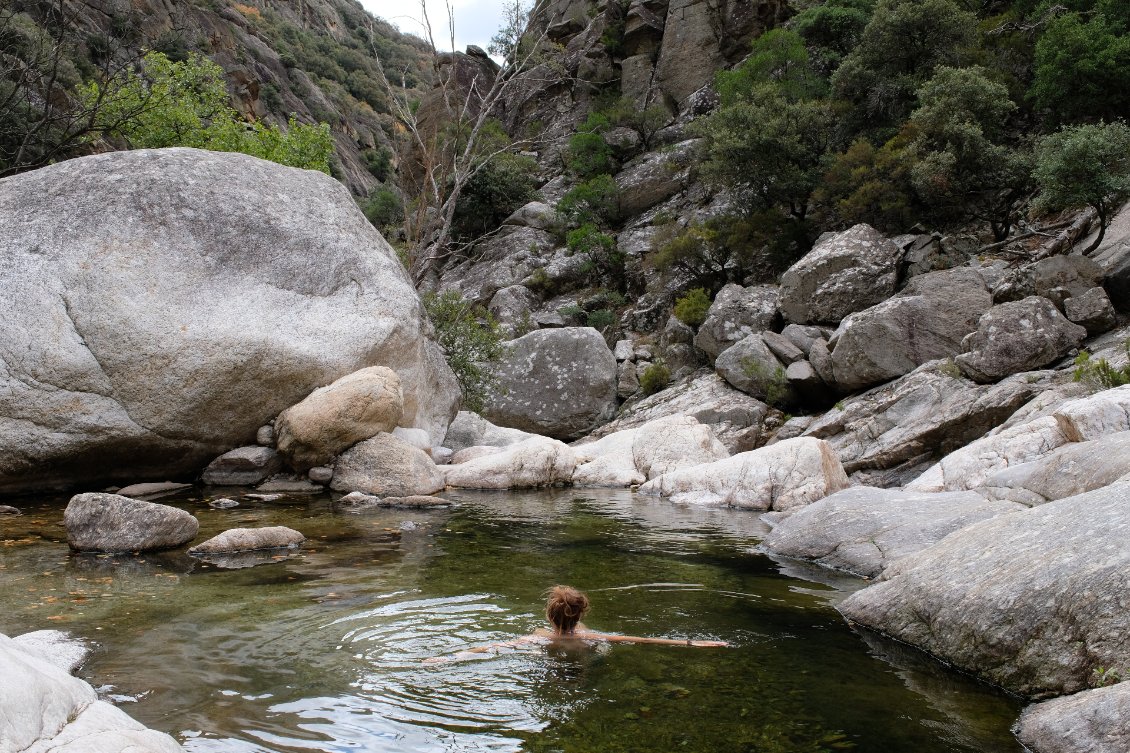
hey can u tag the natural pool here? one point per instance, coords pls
(324, 650)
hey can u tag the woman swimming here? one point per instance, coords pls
(564, 608)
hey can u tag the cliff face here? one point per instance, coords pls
(310, 58)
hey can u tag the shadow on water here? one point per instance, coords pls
(325, 649)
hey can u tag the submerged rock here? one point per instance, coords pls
(1033, 601)
(863, 529)
(250, 539)
(1092, 721)
(45, 708)
(783, 476)
(98, 522)
(152, 489)
(386, 465)
(333, 418)
(139, 348)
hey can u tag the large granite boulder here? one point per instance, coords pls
(1079, 420)
(162, 305)
(927, 320)
(250, 540)
(736, 419)
(532, 464)
(736, 313)
(1018, 336)
(336, 417)
(922, 416)
(653, 177)
(1091, 310)
(845, 273)
(46, 709)
(1034, 601)
(386, 465)
(1072, 469)
(559, 383)
(863, 529)
(633, 456)
(752, 367)
(1092, 721)
(783, 477)
(98, 522)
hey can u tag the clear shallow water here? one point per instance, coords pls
(324, 650)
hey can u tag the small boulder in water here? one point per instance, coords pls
(320, 474)
(243, 466)
(250, 539)
(158, 488)
(9, 510)
(98, 522)
(223, 503)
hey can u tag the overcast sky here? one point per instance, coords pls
(476, 21)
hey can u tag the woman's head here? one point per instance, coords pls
(565, 607)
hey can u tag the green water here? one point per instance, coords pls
(324, 650)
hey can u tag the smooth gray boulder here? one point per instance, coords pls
(842, 274)
(532, 464)
(559, 383)
(1040, 432)
(1091, 310)
(243, 466)
(633, 456)
(1017, 336)
(751, 367)
(735, 313)
(924, 415)
(782, 477)
(46, 709)
(1091, 721)
(61, 649)
(863, 529)
(653, 177)
(386, 466)
(335, 417)
(162, 305)
(926, 321)
(250, 540)
(736, 419)
(98, 522)
(1033, 601)
(1072, 469)
(472, 430)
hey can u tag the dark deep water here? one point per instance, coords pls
(323, 650)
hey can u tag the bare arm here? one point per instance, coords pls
(612, 638)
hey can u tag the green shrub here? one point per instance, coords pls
(384, 208)
(497, 188)
(654, 378)
(1098, 373)
(600, 319)
(472, 343)
(603, 261)
(589, 154)
(691, 308)
(771, 383)
(595, 201)
(378, 162)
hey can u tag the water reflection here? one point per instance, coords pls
(325, 649)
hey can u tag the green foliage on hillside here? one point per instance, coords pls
(166, 103)
(499, 185)
(472, 344)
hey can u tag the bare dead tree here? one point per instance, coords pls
(451, 155)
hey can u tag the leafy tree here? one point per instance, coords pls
(962, 167)
(872, 185)
(384, 208)
(1082, 68)
(472, 343)
(902, 44)
(595, 201)
(1085, 165)
(778, 57)
(832, 29)
(603, 260)
(589, 154)
(501, 184)
(170, 103)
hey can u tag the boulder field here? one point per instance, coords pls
(161, 305)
